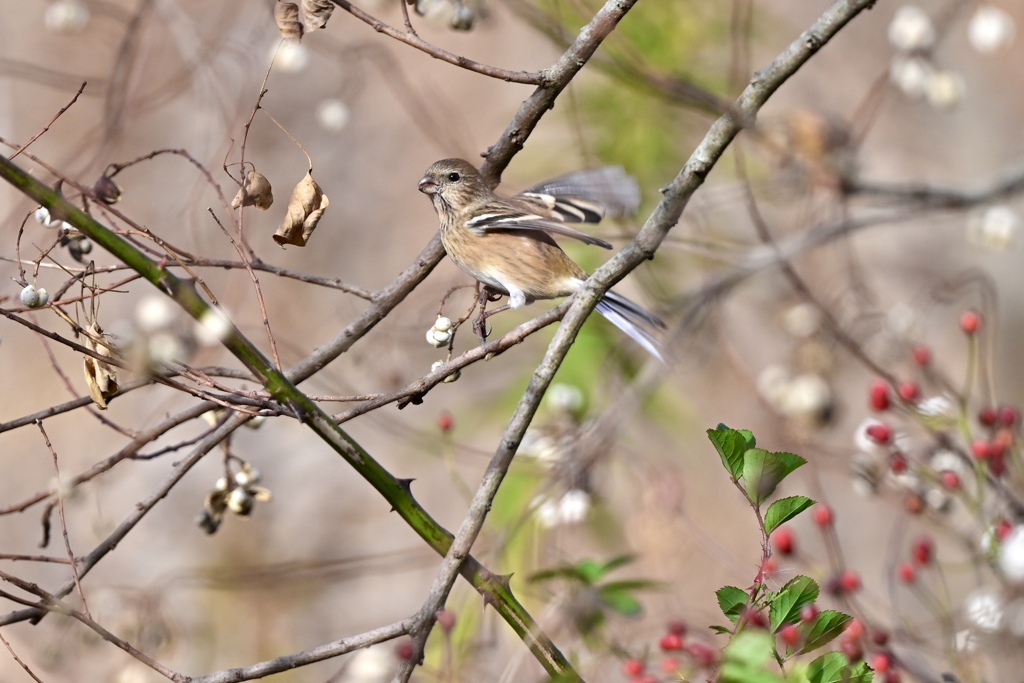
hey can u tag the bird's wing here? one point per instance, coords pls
(516, 217)
(609, 188)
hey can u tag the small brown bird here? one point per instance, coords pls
(506, 243)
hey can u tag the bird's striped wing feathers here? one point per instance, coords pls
(610, 188)
(512, 221)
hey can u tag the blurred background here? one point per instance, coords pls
(617, 463)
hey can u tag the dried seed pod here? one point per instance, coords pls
(256, 192)
(106, 190)
(286, 16)
(305, 208)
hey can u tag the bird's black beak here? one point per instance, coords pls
(428, 185)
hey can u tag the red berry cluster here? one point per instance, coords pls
(922, 554)
(677, 653)
(853, 643)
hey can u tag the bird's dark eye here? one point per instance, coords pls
(454, 176)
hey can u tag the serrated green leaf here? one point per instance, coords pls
(619, 600)
(791, 461)
(762, 471)
(783, 510)
(791, 598)
(833, 667)
(732, 600)
(828, 624)
(731, 444)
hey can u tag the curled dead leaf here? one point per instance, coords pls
(256, 192)
(315, 13)
(286, 16)
(100, 377)
(305, 208)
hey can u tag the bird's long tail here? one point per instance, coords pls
(634, 320)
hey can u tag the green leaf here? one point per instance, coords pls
(783, 510)
(833, 667)
(791, 598)
(762, 471)
(617, 562)
(589, 571)
(731, 444)
(827, 626)
(619, 600)
(732, 600)
(744, 659)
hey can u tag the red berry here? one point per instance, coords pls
(446, 620)
(632, 667)
(908, 391)
(445, 422)
(789, 635)
(898, 463)
(671, 642)
(878, 432)
(822, 515)
(849, 581)
(988, 416)
(970, 322)
(879, 395)
(852, 649)
(997, 464)
(702, 654)
(1008, 416)
(752, 617)
(782, 541)
(921, 354)
(854, 629)
(1003, 529)
(768, 567)
(404, 650)
(913, 503)
(981, 449)
(808, 613)
(950, 480)
(669, 665)
(678, 627)
(881, 662)
(879, 637)
(892, 676)
(906, 572)
(923, 550)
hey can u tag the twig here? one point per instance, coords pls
(56, 116)
(63, 521)
(412, 39)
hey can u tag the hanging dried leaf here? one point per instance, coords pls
(305, 209)
(315, 13)
(286, 16)
(256, 192)
(100, 377)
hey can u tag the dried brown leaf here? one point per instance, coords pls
(286, 16)
(305, 208)
(256, 192)
(100, 377)
(315, 13)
